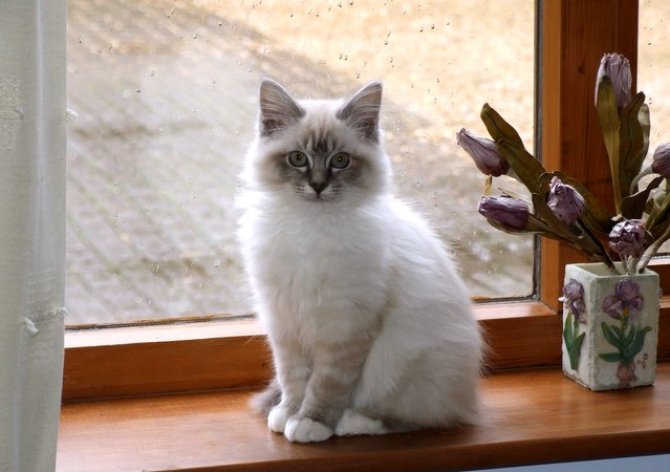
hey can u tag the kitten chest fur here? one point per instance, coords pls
(323, 268)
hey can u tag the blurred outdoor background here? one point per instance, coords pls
(163, 97)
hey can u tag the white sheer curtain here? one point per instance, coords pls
(32, 230)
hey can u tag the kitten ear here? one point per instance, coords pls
(278, 109)
(361, 112)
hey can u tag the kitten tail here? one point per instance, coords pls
(268, 398)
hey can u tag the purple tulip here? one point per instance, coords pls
(506, 213)
(484, 152)
(661, 162)
(626, 301)
(627, 238)
(617, 68)
(573, 297)
(566, 203)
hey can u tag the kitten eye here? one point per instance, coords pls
(296, 159)
(341, 160)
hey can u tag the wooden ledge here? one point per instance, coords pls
(533, 416)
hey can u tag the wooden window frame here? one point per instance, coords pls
(180, 357)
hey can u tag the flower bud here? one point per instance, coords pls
(566, 203)
(484, 152)
(506, 213)
(627, 238)
(661, 162)
(617, 68)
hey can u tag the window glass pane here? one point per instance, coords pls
(653, 67)
(163, 97)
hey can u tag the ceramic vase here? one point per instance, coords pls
(610, 327)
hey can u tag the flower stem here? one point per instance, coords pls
(488, 184)
(653, 249)
(624, 324)
(573, 341)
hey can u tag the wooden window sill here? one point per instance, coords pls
(217, 355)
(176, 358)
(532, 416)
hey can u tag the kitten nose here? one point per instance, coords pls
(318, 186)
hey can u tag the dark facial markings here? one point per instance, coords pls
(313, 168)
(317, 159)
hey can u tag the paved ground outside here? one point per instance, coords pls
(165, 94)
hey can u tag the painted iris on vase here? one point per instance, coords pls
(573, 299)
(627, 335)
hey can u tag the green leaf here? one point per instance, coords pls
(634, 348)
(497, 127)
(568, 329)
(611, 357)
(611, 337)
(632, 206)
(617, 331)
(645, 125)
(659, 215)
(527, 168)
(608, 115)
(573, 345)
(633, 141)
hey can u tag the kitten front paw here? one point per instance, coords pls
(278, 417)
(302, 429)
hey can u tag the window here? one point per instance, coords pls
(654, 59)
(654, 63)
(165, 95)
(574, 35)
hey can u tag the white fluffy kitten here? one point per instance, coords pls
(369, 323)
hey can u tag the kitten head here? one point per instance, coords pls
(319, 151)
